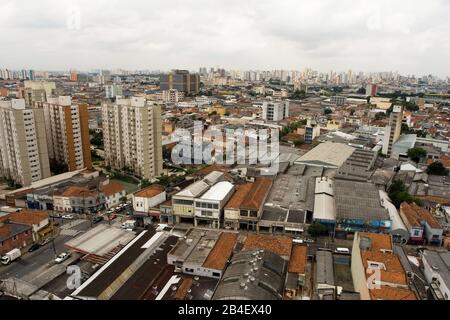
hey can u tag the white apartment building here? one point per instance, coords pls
(23, 144)
(275, 111)
(170, 96)
(67, 126)
(132, 133)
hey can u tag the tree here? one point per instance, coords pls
(398, 194)
(145, 183)
(415, 154)
(298, 142)
(298, 94)
(123, 199)
(437, 168)
(316, 230)
(327, 111)
(361, 91)
(97, 139)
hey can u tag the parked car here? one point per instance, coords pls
(34, 247)
(62, 257)
(68, 216)
(308, 240)
(97, 219)
(45, 241)
(113, 216)
(342, 250)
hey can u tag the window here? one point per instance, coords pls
(15, 238)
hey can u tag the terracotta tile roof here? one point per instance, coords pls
(379, 241)
(112, 188)
(297, 262)
(149, 192)
(239, 196)
(28, 217)
(167, 203)
(390, 293)
(280, 245)
(394, 272)
(78, 192)
(257, 194)
(183, 289)
(219, 255)
(416, 215)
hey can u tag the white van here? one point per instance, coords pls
(342, 250)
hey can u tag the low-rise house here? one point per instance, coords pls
(14, 235)
(209, 207)
(251, 208)
(231, 209)
(296, 269)
(436, 267)
(79, 200)
(37, 220)
(421, 224)
(147, 199)
(377, 272)
(114, 192)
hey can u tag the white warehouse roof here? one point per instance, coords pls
(219, 191)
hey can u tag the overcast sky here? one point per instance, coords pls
(409, 36)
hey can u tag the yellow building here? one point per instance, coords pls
(218, 108)
(334, 124)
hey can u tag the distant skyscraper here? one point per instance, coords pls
(73, 75)
(67, 126)
(180, 80)
(393, 131)
(23, 143)
(132, 136)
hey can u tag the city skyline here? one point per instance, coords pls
(408, 37)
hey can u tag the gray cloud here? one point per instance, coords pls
(410, 36)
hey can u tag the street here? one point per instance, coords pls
(31, 261)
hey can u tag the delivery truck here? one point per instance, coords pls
(9, 257)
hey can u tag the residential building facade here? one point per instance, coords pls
(23, 143)
(67, 126)
(133, 136)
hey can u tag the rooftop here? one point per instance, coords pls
(150, 191)
(253, 275)
(280, 245)
(257, 194)
(416, 215)
(327, 154)
(238, 197)
(74, 191)
(219, 255)
(9, 230)
(28, 217)
(112, 188)
(358, 200)
(218, 192)
(297, 263)
(391, 293)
